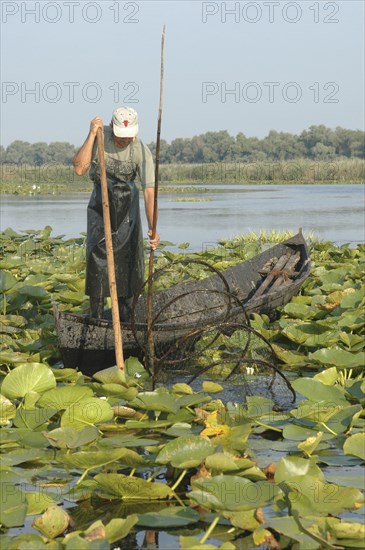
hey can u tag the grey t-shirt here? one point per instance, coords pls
(142, 157)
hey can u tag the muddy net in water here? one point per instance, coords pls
(199, 328)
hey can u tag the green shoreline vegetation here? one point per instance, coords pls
(56, 179)
(316, 155)
(83, 458)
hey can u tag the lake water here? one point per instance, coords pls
(201, 218)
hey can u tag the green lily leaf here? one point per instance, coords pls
(338, 357)
(315, 390)
(39, 501)
(156, 401)
(116, 390)
(86, 412)
(211, 387)
(336, 276)
(287, 356)
(310, 444)
(53, 522)
(127, 441)
(27, 541)
(70, 297)
(69, 438)
(355, 445)
(182, 388)
(348, 530)
(300, 311)
(245, 520)
(36, 292)
(309, 496)
(316, 411)
(226, 462)
(232, 493)
(294, 466)
(288, 526)
(112, 375)
(61, 398)
(176, 516)
(131, 488)
(20, 456)
(353, 300)
(33, 419)
(7, 281)
(119, 528)
(13, 514)
(193, 543)
(28, 377)
(88, 460)
(328, 376)
(7, 410)
(185, 452)
(352, 321)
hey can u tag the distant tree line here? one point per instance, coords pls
(317, 143)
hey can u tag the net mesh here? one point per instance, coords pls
(200, 330)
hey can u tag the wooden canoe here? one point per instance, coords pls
(88, 344)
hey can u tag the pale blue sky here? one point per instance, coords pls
(271, 51)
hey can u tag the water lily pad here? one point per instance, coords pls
(185, 452)
(7, 281)
(182, 388)
(86, 412)
(193, 543)
(355, 445)
(309, 496)
(111, 375)
(127, 441)
(211, 387)
(26, 542)
(69, 438)
(348, 530)
(131, 488)
(7, 410)
(119, 528)
(310, 444)
(176, 516)
(63, 397)
(156, 401)
(328, 376)
(53, 522)
(33, 419)
(289, 527)
(39, 501)
(26, 378)
(88, 460)
(315, 390)
(232, 493)
(294, 466)
(300, 311)
(13, 505)
(20, 456)
(338, 357)
(287, 356)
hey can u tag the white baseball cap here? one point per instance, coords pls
(125, 122)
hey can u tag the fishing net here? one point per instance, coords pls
(199, 328)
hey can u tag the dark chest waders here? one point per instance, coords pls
(126, 234)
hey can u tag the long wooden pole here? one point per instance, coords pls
(151, 353)
(110, 255)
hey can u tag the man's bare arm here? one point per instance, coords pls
(82, 160)
(149, 195)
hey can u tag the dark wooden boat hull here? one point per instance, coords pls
(88, 344)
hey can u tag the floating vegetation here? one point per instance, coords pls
(92, 462)
(191, 199)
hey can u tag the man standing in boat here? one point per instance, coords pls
(126, 157)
